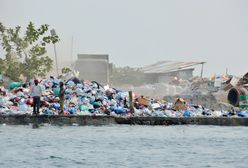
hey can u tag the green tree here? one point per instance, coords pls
(26, 53)
(66, 70)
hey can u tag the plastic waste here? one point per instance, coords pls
(71, 83)
(71, 110)
(14, 85)
(187, 113)
(243, 114)
(23, 108)
(85, 108)
(56, 106)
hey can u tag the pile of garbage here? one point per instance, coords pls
(91, 98)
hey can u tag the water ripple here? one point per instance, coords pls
(123, 146)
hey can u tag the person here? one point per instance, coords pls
(61, 97)
(36, 93)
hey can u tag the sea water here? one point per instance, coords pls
(123, 146)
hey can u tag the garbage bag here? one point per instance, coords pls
(56, 106)
(85, 108)
(48, 112)
(187, 113)
(23, 108)
(15, 108)
(30, 101)
(71, 110)
(15, 85)
(45, 103)
(22, 101)
(118, 110)
(243, 114)
(96, 104)
(75, 80)
(2, 102)
(20, 94)
(79, 91)
(70, 83)
(156, 106)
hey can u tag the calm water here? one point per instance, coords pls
(123, 146)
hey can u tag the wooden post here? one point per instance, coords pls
(131, 101)
(202, 69)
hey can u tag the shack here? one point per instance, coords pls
(166, 71)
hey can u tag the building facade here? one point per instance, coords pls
(93, 67)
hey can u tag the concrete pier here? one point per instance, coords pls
(108, 120)
(56, 120)
(221, 121)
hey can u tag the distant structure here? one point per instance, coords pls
(93, 67)
(165, 71)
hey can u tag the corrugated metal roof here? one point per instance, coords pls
(168, 66)
(93, 56)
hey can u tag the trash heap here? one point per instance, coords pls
(91, 98)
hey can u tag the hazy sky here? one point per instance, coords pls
(141, 32)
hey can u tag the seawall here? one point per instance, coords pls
(109, 120)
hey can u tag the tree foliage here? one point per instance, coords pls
(26, 52)
(66, 70)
